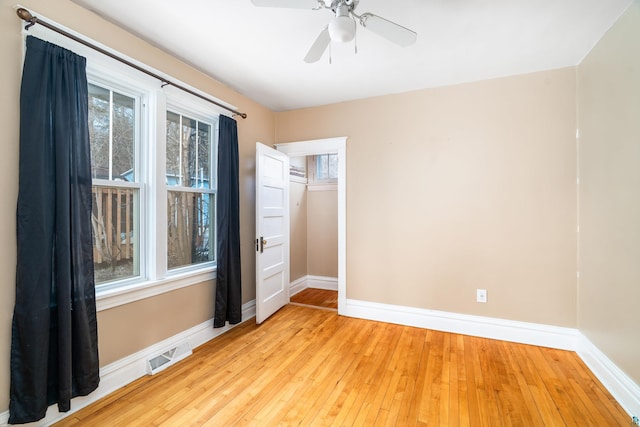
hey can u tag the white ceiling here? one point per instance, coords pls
(259, 51)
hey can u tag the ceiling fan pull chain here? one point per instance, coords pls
(355, 43)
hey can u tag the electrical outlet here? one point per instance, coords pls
(481, 295)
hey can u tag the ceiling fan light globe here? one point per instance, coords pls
(342, 29)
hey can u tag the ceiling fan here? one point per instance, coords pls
(342, 28)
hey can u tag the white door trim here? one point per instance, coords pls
(327, 146)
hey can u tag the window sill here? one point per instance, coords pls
(110, 298)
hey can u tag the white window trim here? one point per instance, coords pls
(153, 189)
(116, 296)
(118, 184)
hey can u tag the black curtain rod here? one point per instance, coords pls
(26, 16)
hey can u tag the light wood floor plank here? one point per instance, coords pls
(460, 399)
(528, 412)
(311, 367)
(410, 372)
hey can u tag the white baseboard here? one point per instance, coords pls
(126, 370)
(322, 282)
(621, 387)
(298, 286)
(486, 327)
(315, 282)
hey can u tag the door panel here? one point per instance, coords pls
(272, 231)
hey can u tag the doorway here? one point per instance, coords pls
(321, 147)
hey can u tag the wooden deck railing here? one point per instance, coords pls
(113, 226)
(112, 221)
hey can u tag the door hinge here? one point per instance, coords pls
(260, 242)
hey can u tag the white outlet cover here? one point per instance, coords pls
(481, 295)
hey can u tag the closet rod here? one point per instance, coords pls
(26, 16)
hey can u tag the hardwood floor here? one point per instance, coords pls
(317, 297)
(306, 366)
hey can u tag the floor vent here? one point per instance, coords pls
(162, 361)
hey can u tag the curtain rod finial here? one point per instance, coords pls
(24, 14)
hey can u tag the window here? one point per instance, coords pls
(153, 215)
(324, 168)
(118, 183)
(113, 129)
(191, 191)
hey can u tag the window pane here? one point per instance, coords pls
(99, 123)
(123, 137)
(112, 127)
(173, 149)
(322, 167)
(190, 233)
(333, 166)
(188, 152)
(204, 156)
(115, 233)
(326, 167)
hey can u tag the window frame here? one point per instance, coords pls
(313, 168)
(139, 167)
(176, 104)
(315, 184)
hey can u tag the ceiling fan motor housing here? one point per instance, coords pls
(342, 28)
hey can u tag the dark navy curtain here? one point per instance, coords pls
(228, 285)
(54, 348)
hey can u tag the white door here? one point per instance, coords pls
(272, 231)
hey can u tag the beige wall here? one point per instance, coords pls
(126, 329)
(131, 327)
(609, 121)
(457, 188)
(322, 233)
(314, 232)
(298, 230)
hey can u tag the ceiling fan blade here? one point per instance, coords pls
(318, 47)
(389, 30)
(291, 4)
